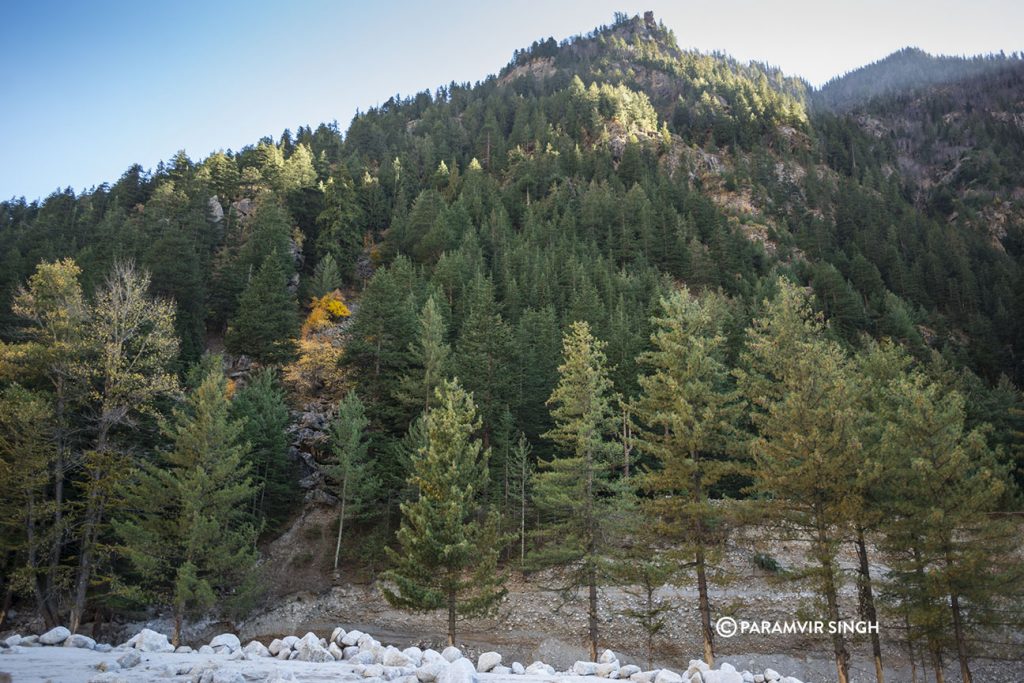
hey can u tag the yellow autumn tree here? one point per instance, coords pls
(316, 372)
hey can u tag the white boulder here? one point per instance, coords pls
(430, 670)
(487, 661)
(309, 649)
(129, 659)
(668, 676)
(256, 649)
(771, 675)
(628, 670)
(460, 671)
(414, 654)
(540, 669)
(226, 640)
(78, 640)
(518, 668)
(392, 656)
(13, 641)
(451, 653)
(55, 636)
(337, 634)
(352, 637)
(336, 651)
(148, 640)
(608, 669)
(582, 668)
(607, 657)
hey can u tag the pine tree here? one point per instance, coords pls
(448, 557)
(260, 404)
(326, 277)
(430, 356)
(803, 402)
(521, 472)
(267, 320)
(580, 504)
(340, 224)
(354, 483)
(687, 410)
(187, 531)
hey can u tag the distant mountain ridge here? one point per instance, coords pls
(906, 69)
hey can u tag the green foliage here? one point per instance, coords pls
(260, 406)
(267, 320)
(448, 555)
(187, 529)
(354, 482)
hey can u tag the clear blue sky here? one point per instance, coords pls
(89, 88)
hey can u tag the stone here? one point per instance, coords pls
(215, 211)
(222, 650)
(129, 659)
(206, 650)
(414, 654)
(518, 668)
(698, 677)
(697, 665)
(228, 640)
(644, 676)
(628, 670)
(429, 671)
(748, 677)
(668, 676)
(337, 634)
(256, 649)
(729, 676)
(364, 657)
(183, 650)
(726, 667)
(758, 678)
(460, 671)
(432, 655)
(104, 647)
(275, 646)
(55, 636)
(103, 667)
(309, 649)
(350, 651)
(13, 641)
(589, 669)
(771, 675)
(78, 640)
(608, 669)
(148, 640)
(607, 657)
(367, 642)
(487, 661)
(336, 652)
(29, 641)
(392, 656)
(352, 637)
(501, 670)
(540, 669)
(451, 653)
(373, 671)
(285, 654)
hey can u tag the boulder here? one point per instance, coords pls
(607, 657)
(697, 665)
(206, 650)
(414, 654)
(451, 653)
(771, 675)
(608, 669)
(13, 641)
(55, 636)
(373, 671)
(367, 642)
(758, 678)
(148, 640)
(350, 651)
(429, 671)
(590, 669)
(309, 649)
(487, 661)
(104, 647)
(540, 669)
(275, 647)
(351, 638)
(748, 677)
(129, 659)
(518, 668)
(392, 656)
(336, 652)
(256, 649)
(668, 676)
(337, 634)
(644, 676)
(431, 655)
(460, 671)
(285, 654)
(226, 640)
(29, 641)
(628, 670)
(78, 640)
(364, 657)
(729, 676)
(501, 670)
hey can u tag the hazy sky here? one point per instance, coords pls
(90, 88)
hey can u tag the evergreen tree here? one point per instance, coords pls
(267, 320)
(430, 356)
(354, 483)
(261, 406)
(449, 551)
(326, 277)
(580, 504)
(803, 402)
(686, 408)
(187, 530)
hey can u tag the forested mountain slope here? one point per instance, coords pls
(463, 233)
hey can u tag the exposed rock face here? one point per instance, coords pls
(215, 211)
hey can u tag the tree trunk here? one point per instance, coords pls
(961, 643)
(940, 677)
(341, 521)
(867, 600)
(451, 616)
(592, 612)
(910, 649)
(832, 601)
(702, 579)
(176, 640)
(49, 618)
